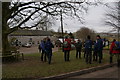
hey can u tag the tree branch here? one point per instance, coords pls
(54, 12)
(27, 18)
(111, 24)
(15, 8)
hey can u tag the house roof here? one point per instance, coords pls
(31, 33)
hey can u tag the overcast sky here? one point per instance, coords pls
(94, 19)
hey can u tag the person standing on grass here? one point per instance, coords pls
(99, 45)
(42, 46)
(67, 48)
(114, 50)
(78, 46)
(88, 50)
(95, 55)
(48, 48)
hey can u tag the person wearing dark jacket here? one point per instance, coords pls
(88, 50)
(99, 45)
(42, 46)
(78, 46)
(48, 48)
(95, 55)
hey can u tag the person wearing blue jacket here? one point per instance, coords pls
(88, 50)
(48, 48)
(95, 55)
(99, 45)
(43, 54)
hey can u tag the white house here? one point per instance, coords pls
(25, 36)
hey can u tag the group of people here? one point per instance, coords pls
(98, 47)
(92, 49)
(45, 48)
(97, 50)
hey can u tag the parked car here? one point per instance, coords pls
(28, 45)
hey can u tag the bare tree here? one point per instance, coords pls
(83, 32)
(17, 15)
(113, 17)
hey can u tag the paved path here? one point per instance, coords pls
(112, 72)
(33, 49)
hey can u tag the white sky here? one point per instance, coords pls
(94, 19)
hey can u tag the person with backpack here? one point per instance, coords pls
(42, 47)
(67, 48)
(78, 46)
(114, 50)
(48, 48)
(88, 50)
(99, 47)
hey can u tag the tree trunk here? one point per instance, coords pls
(5, 27)
(5, 44)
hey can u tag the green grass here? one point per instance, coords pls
(32, 67)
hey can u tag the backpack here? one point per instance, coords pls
(49, 45)
(42, 45)
(117, 46)
(88, 44)
(65, 44)
(78, 45)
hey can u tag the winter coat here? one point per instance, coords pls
(99, 44)
(95, 46)
(88, 45)
(49, 46)
(78, 45)
(112, 50)
(42, 45)
(69, 44)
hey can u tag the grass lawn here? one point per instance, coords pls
(32, 67)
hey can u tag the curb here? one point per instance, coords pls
(80, 72)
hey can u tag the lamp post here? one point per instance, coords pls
(118, 61)
(61, 20)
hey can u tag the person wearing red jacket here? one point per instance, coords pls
(67, 48)
(113, 51)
